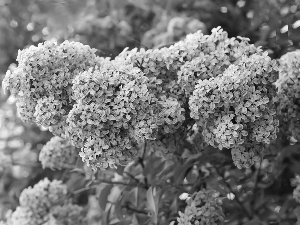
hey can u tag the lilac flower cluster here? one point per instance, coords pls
(203, 207)
(226, 84)
(236, 109)
(109, 107)
(40, 205)
(176, 69)
(217, 53)
(113, 111)
(39, 198)
(58, 153)
(289, 91)
(66, 214)
(43, 79)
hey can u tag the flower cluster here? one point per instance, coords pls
(217, 53)
(203, 207)
(42, 81)
(67, 214)
(173, 71)
(109, 107)
(236, 109)
(58, 153)
(39, 198)
(208, 71)
(113, 111)
(40, 205)
(163, 65)
(244, 156)
(289, 91)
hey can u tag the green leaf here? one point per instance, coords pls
(105, 217)
(115, 193)
(134, 220)
(133, 196)
(180, 172)
(114, 221)
(152, 200)
(118, 209)
(167, 172)
(103, 196)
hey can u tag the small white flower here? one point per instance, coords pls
(184, 196)
(230, 196)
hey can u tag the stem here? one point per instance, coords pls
(141, 161)
(254, 191)
(116, 183)
(135, 210)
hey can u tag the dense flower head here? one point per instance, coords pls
(109, 107)
(153, 63)
(178, 68)
(26, 109)
(113, 111)
(49, 111)
(24, 216)
(244, 156)
(48, 69)
(172, 114)
(41, 204)
(203, 208)
(289, 74)
(164, 64)
(59, 128)
(43, 195)
(288, 85)
(201, 67)
(237, 106)
(58, 153)
(43, 79)
(218, 53)
(12, 81)
(67, 214)
(227, 133)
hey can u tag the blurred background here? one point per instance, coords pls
(110, 26)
